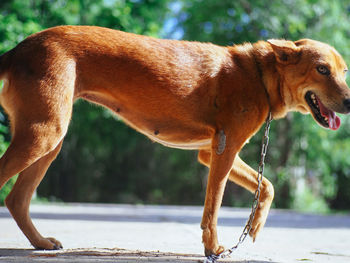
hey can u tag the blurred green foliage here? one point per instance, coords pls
(103, 160)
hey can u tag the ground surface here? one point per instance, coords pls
(125, 233)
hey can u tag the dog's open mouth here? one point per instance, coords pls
(324, 116)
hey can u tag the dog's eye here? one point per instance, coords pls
(323, 70)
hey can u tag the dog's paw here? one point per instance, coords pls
(266, 197)
(48, 243)
(259, 219)
(215, 251)
(210, 242)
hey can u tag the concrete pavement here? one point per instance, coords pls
(127, 233)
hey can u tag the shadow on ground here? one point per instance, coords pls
(101, 255)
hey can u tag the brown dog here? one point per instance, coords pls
(185, 95)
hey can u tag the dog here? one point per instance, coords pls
(187, 95)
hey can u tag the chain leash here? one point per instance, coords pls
(265, 142)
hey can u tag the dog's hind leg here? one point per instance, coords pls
(30, 153)
(36, 142)
(18, 200)
(39, 108)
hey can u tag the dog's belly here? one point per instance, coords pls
(160, 126)
(175, 134)
(193, 145)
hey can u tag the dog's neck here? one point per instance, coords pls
(272, 81)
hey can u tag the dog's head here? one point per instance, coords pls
(313, 76)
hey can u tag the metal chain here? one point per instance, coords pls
(265, 142)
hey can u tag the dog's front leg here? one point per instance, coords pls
(245, 176)
(220, 165)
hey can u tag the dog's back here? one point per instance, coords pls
(148, 80)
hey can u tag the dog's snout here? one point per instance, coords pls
(347, 104)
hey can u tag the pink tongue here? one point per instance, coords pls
(333, 119)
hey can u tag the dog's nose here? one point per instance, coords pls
(347, 104)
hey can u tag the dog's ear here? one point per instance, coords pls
(286, 51)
